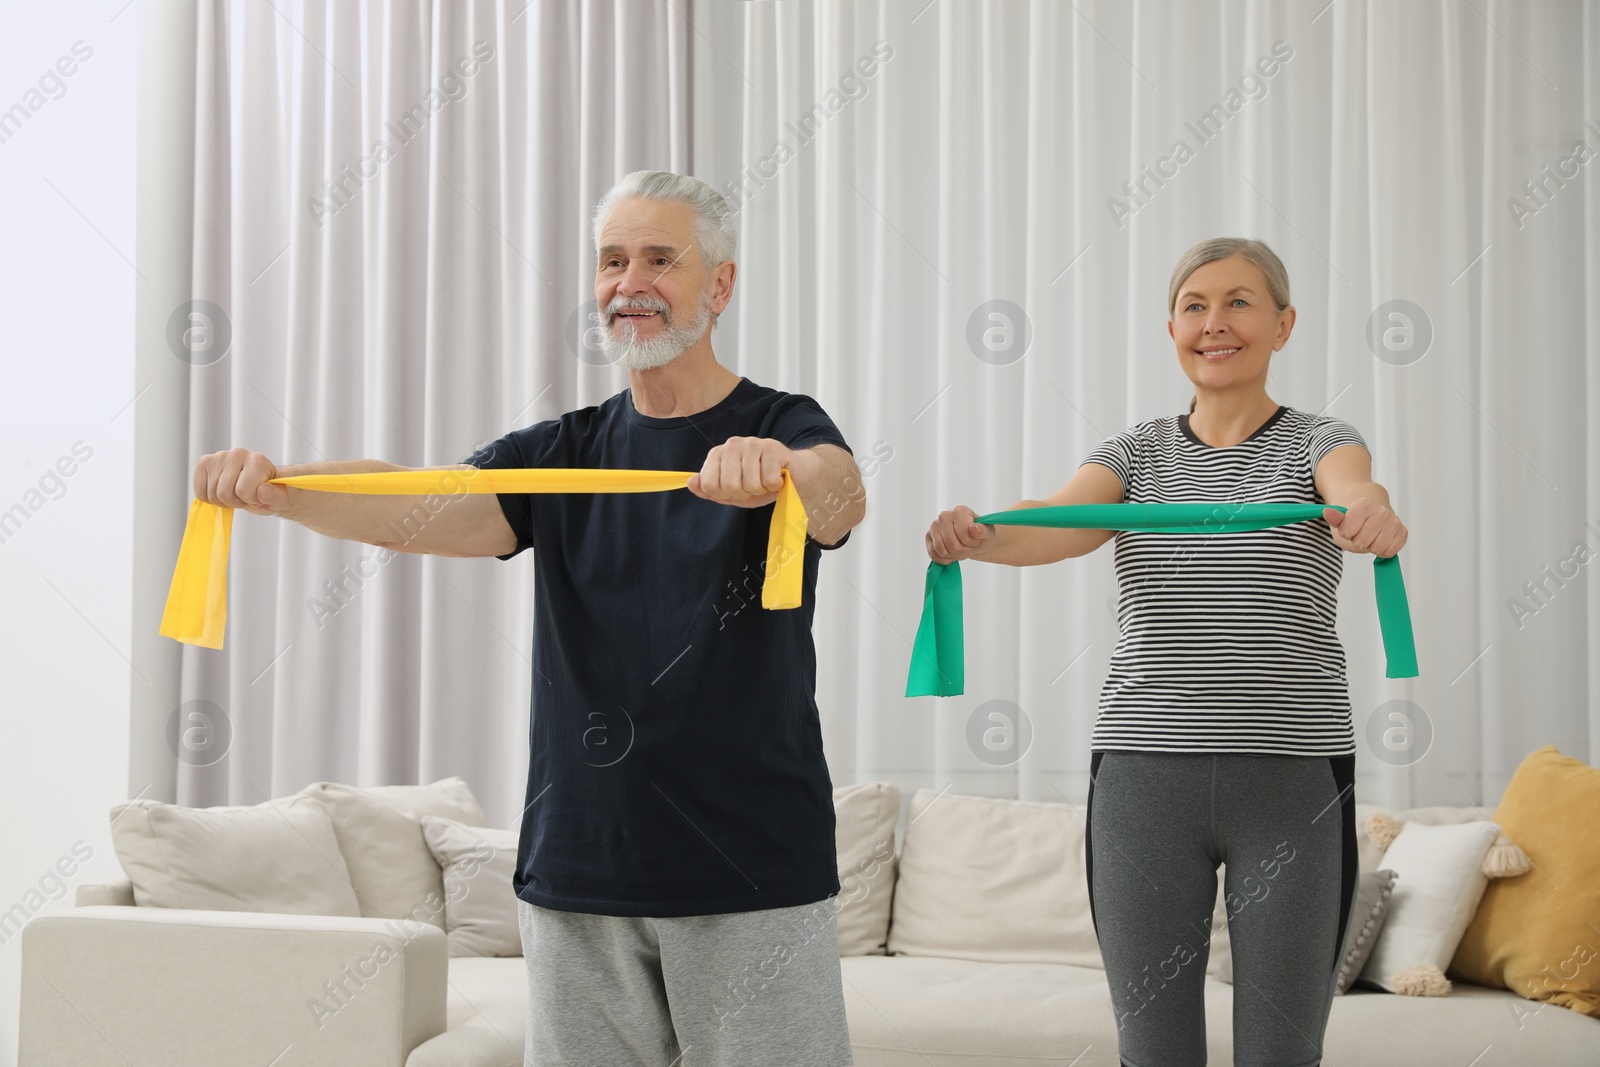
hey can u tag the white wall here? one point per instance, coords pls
(67, 288)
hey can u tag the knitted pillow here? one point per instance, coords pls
(1367, 914)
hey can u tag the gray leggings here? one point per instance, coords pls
(1159, 824)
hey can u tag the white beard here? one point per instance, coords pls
(636, 354)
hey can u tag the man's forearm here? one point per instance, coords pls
(831, 489)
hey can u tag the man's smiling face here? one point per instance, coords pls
(655, 294)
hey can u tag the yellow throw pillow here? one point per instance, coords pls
(1538, 934)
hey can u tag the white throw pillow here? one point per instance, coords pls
(865, 818)
(1439, 815)
(993, 880)
(380, 834)
(278, 856)
(1439, 885)
(480, 908)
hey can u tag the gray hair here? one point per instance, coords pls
(713, 221)
(1221, 248)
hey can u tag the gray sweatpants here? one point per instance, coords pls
(743, 989)
(1159, 824)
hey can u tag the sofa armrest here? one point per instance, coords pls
(107, 985)
(105, 893)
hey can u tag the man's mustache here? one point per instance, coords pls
(637, 303)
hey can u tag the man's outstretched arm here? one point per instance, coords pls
(747, 472)
(447, 522)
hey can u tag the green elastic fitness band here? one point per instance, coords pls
(937, 667)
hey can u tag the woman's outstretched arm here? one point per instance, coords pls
(1368, 524)
(954, 535)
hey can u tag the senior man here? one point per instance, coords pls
(676, 867)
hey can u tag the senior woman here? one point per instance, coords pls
(1224, 732)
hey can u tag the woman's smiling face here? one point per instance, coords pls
(1225, 325)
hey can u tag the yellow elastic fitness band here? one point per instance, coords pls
(197, 602)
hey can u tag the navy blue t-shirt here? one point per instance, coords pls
(675, 762)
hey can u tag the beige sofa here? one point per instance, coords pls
(982, 905)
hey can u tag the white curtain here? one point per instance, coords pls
(898, 165)
(983, 161)
(419, 309)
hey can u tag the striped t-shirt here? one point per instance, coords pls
(1226, 641)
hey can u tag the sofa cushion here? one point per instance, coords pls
(486, 1016)
(477, 864)
(865, 820)
(379, 829)
(277, 856)
(993, 880)
(909, 1011)
(915, 1011)
(1538, 934)
(1439, 882)
(1220, 952)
